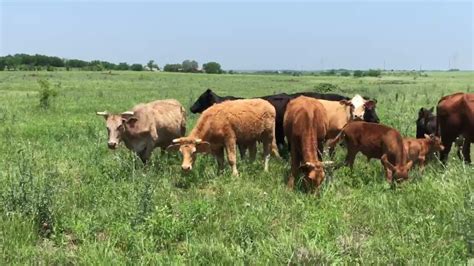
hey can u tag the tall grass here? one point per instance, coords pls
(67, 199)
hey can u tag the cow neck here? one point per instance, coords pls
(308, 146)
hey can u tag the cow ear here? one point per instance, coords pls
(409, 165)
(208, 91)
(427, 136)
(431, 109)
(203, 147)
(345, 102)
(307, 166)
(173, 147)
(104, 114)
(370, 104)
(386, 163)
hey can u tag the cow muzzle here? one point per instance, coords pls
(112, 145)
(186, 168)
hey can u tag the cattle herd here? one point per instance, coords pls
(307, 120)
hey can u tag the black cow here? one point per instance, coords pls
(279, 101)
(426, 124)
(207, 99)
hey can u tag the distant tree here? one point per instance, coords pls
(345, 73)
(136, 67)
(358, 73)
(172, 67)
(2, 64)
(190, 66)
(212, 68)
(123, 66)
(373, 73)
(151, 65)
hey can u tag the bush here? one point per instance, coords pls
(212, 68)
(45, 93)
(172, 67)
(136, 67)
(325, 87)
(345, 73)
(358, 73)
(373, 73)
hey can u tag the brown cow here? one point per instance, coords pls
(146, 127)
(305, 124)
(455, 116)
(418, 149)
(224, 125)
(376, 141)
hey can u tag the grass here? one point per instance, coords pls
(67, 199)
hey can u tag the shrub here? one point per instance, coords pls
(45, 93)
(345, 73)
(358, 73)
(212, 68)
(325, 87)
(373, 73)
(136, 67)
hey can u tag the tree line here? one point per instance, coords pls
(50, 63)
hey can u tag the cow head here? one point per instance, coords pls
(426, 122)
(117, 125)
(364, 109)
(206, 100)
(400, 172)
(369, 112)
(313, 171)
(434, 143)
(189, 147)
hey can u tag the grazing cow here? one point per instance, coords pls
(305, 125)
(146, 127)
(455, 116)
(207, 99)
(376, 141)
(364, 109)
(426, 125)
(223, 126)
(417, 149)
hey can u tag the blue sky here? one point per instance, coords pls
(246, 35)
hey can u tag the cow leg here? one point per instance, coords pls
(422, 161)
(219, 154)
(253, 151)
(466, 150)
(267, 149)
(447, 148)
(231, 156)
(295, 164)
(242, 150)
(350, 157)
(145, 153)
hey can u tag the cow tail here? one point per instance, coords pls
(183, 121)
(333, 142)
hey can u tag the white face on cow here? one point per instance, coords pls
(116, 126)
(359, 108)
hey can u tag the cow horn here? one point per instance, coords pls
(128, 113)
(197, 141)
(327, 163)
(104, 113)
(176, 140)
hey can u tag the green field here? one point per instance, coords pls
(66, 198)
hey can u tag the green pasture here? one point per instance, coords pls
(66, 199)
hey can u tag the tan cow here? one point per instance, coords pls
(418, 149)
(146, 126)
(224, 125)
(305, 124)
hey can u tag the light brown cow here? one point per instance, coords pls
(339, 113)
(305, 124)
(376, 141)
(418, 149)
(146, 126)
(224, 125)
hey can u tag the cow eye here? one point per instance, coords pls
(119, 127)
